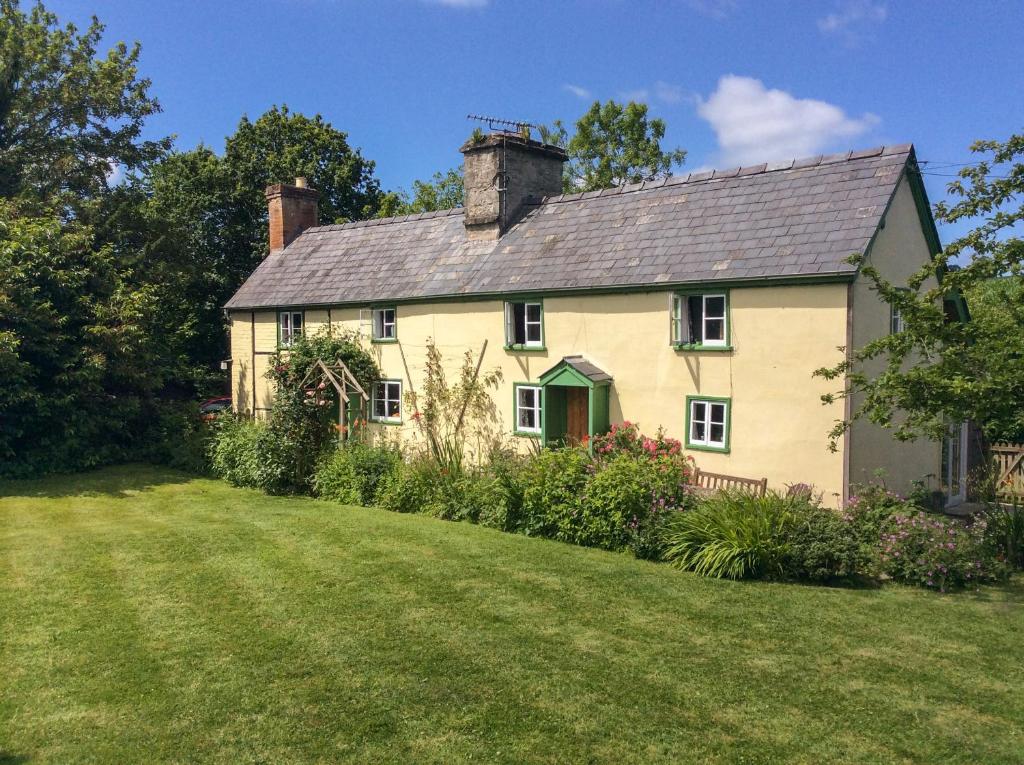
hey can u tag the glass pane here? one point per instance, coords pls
(379, 407)
(392, 407)
(394, 391)
(718, 413)
(297, 322)
(533, 333)
(526, 397)
(697, 431)
(714, 329)
(533, 311)
(699, 411)
(714, 307)
(717, 433)
(519, 323)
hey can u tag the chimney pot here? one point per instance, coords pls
(291, 209)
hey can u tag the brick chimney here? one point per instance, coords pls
(292, 210)
(502, 171)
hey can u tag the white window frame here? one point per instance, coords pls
(681, 332)
(707, 421)
(381, 326)
(286, 327)
(895, 320)
(536, 409)
(510, 324)
(387, 399)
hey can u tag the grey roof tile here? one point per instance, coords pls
(803, 217)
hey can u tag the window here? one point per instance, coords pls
(701, 321)
(895, 320)
(384, 325)
(289, 327)
(524, 327)
(707, 424)
(387, 401)
(528, 404)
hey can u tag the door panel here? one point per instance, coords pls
(577, 404)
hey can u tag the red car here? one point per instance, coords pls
(209, 409)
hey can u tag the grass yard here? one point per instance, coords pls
(150, 617)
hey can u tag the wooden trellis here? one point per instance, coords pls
(343, 382)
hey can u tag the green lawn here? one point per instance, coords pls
(150, 617)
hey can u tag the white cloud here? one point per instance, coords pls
(576, 90)
(461, 3)
(754, 124)
(853, 18)
(115, 174)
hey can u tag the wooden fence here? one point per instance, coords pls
(1009, 461)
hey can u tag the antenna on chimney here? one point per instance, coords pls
(496, 123)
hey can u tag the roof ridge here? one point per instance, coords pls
(802, 163)
(386, 221)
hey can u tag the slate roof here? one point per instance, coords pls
(800, 218)
(584, 367)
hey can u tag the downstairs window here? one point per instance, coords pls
(707, 425)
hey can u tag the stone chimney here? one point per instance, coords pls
(292, 210)
(502, 172)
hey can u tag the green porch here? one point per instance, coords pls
(576, 402)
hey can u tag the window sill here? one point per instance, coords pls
(385, 422)
(703, 448)
(525, 434)
(526, 348)
(689, 348)
(384, 340)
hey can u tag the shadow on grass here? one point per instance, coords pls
(6, 758)
(119, 481)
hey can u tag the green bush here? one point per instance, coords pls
(734, 535)
(625, 504)
(178, 437)
(822, 546)
(939, 553)
(353, 473)
(250, 454)
(868, 511)
(554, 482)
(410, 489)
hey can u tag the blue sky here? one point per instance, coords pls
(737, 81)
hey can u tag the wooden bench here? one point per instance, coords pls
(708, 483)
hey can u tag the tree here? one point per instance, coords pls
(940, 370)
(613, 144)
(67, 118)
(442, 192)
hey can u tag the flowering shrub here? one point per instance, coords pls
(626, 438)
(937, 552)
(869, 509)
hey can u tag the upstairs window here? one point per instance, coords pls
(289, 327)
(385, 326)
(707, 424)
(524, 325)
(387, 401)
(896, 323)
(528, 405)
(701, 320)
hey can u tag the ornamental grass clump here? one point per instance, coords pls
(734, 535)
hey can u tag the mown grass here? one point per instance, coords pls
(150, 617)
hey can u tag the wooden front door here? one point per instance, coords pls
(577, 404)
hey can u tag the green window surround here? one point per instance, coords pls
(700, 321)
(385, 324)
(708, 423)
(527, 409)
(524, 324)
(290, 326)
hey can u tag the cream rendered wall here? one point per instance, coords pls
(899, 250)
(780, 335)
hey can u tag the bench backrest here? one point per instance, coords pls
(711, 482)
